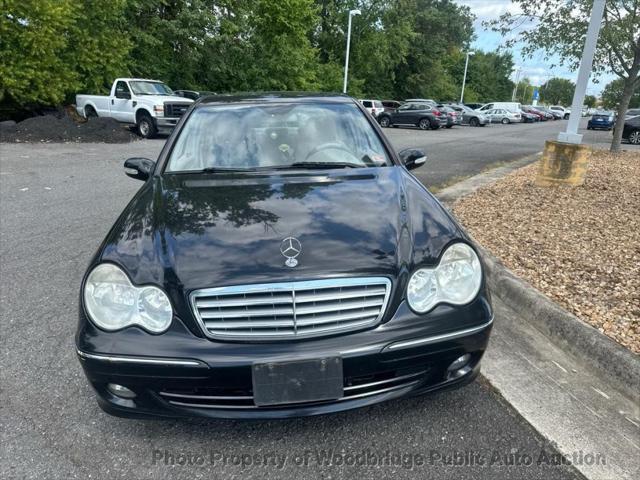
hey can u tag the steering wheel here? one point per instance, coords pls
(327, 146)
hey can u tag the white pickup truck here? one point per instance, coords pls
(148, 104)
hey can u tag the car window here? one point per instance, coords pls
(633, 111)
(378, 104)
(140, 87)
(248, 137)
(122, 87)
(406, 106)
(366, 103)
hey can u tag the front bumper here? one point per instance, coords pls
(178, 376)
(166, 124)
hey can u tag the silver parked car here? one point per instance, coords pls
(470, 116)
(501, 115)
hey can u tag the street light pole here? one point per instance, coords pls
(571, 135)
(515, 89)
(346, 60)
(464, 77)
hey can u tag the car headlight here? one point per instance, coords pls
(113, 302)
(455, 280)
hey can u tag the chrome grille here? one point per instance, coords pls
(280, 311)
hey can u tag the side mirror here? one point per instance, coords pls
(413, 158)
(139, 168)
(124, 95)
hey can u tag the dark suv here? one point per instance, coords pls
(422, 115)
(631, 131)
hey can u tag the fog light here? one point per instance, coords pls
(120, 391)
(459, 362)
(461, 372)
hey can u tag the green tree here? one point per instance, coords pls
(32, 66)
(97, 46)
(441, 27)
(590, 101)
(52, 49)
(559, 27)
(613, 92)
(487, 76)
(524, 91)
(557, 91)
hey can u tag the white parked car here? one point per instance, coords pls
(374, 107)
(565, 112)
(148, 104)
(502, 115)
(511, 106)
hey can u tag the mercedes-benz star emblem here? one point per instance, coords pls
(291, 248)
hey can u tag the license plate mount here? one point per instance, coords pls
(297, 381)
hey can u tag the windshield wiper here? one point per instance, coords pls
(319, 165)
(220, 170)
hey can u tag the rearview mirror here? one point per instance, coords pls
(413, 158)
(139, 168)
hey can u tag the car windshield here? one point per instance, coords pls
(150, 88)
(252, 137)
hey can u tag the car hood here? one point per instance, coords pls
(200, 231)
(167, 98)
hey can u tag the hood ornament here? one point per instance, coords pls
(290, 248)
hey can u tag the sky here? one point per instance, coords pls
(536, 69)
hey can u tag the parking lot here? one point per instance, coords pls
(57, 202)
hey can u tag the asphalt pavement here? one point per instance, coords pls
(461, 152)
(57, 202)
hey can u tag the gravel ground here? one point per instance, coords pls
(578, 245)
(52, 128)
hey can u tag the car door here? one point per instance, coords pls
(121, 103)
(401, 116)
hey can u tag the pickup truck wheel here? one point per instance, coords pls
(89, 112)
(146, 127)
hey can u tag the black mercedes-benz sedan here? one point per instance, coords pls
(279, 260)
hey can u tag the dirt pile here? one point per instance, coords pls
(51, 128)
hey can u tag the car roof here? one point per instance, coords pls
(275, 97)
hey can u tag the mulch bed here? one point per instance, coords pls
(62, 128)
(578, 245)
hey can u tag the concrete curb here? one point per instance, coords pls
(610, 361)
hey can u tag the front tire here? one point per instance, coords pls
(634, 137)
(505, 121)
(424, 124)
(385, 122)
(146, 126)
(474, 122)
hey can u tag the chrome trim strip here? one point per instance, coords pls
(377, 392)
(207, 397)
(382, 382)
(144, 361)
(437, 338)
(296, 405)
